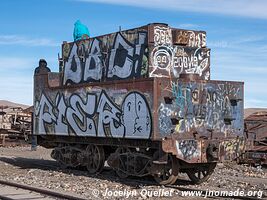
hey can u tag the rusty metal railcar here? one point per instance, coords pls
(140, 99)
(15, 125)
(255, 151)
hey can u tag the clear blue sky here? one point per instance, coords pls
(34, 29)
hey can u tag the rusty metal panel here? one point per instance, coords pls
(255, 157)
(144, 108)
(256, 139)
(194, 114)
(189, 150)
(112, 109)
(171, 56)
(116, 56)
(256, 126)
(54, 79)
(207, 109)
(189, 38)
(177, 60)
(15, 125)
(194, 150)
(125, 55)
(231, 149)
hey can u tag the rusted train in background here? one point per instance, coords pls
(255, 151)
(142, 100)
(15, 125)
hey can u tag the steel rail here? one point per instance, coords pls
(39, 190)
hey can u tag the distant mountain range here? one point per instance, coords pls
(10, 105)
(249, 111)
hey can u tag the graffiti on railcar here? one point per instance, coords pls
(201, 106)
(165, 123)
(233, 148)
(191, 60)
(116, 56)
(169, 60)
(125, 58)
(190, 38)
(137, 115)
(188, 149)
(94, 114)
(162, 36)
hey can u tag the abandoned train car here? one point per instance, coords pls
(142, 100)
(255, 151)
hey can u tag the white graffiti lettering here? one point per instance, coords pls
(83, 115)
(121, 58)
(94, 64)
(109, 118)
(171, 60)
(73, 68)
(162, 36)
(61, 126)
(97, 60)
(77, 115)
(44, 110)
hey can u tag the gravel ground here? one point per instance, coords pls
(37, 168)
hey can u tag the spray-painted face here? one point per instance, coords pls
(136, 116)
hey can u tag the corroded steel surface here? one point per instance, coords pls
(155, 50)
(116, 56)
(256, 126)
(112, 109)
(256, 136)
(15, 125)
(209, 109)
(173, 52)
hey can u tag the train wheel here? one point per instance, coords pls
(95, 158)
(66, 156)
(57, 155)
(169, 172)
(201, 174)
(122, 168)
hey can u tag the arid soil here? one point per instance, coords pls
(36, 168)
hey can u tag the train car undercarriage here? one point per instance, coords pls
(128, 160)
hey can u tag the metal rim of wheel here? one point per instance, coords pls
(95, 158)
(169, 172)
(122, 165)
(201, 174)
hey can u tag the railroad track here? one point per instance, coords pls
(11, 191)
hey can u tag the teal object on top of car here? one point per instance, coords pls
(80, 31)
